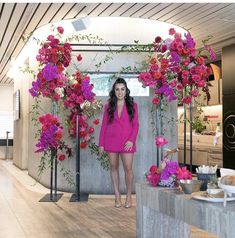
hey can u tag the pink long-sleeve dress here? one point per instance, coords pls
(115, 134)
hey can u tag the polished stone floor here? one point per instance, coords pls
(21, 215)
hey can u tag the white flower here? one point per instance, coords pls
(60, 91)
(191, 65)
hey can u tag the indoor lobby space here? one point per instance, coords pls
(117, 119)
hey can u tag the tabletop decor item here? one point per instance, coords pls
(167, 174)
(227, 183)
(207, 174)
(190, 186)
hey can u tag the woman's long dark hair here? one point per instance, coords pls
(113, 101)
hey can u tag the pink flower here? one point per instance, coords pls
(153, 169)
(186, 100)
(50, 37)
(179, 87)
(161, 141)
(153, 179)
(172, 31)
(156, 101)
(183, 173)
(91, 130)
(194, 92)
(60, 29)
(201, 83)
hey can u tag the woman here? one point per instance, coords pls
(118, 134)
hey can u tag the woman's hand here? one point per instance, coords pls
(128, 145)
(101, 150)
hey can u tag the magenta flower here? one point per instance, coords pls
(186, 100)
(183, 173)
(168, 174)
(161, 141)
(170, 169)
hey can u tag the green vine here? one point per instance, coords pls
(102, 158)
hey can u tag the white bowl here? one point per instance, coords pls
(227, 188)
(224, 172)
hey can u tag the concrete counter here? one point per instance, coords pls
(163, 212)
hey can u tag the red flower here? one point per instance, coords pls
(91, 130)
(96, 121)
(158, 39)
(157, 75)
(153, 169)
(60, 29)
(79, 57)
(61, 157)
(83, 144)
(156, 101)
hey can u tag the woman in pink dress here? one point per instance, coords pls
(118, 134)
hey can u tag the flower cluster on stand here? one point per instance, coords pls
(53, 57)
(76, 94)
(176, 68)
(51, 81)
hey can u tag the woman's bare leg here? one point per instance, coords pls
(114, 172)
(127, 159)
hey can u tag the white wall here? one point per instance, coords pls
(6, 116)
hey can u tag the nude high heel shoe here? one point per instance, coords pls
(128, 203)
(118, 202)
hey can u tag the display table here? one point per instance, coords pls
(164, 212)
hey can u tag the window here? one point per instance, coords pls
(103, 84)
(6, 124)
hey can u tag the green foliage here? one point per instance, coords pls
(103, 158)
(198, 125)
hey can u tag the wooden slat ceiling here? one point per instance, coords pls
(201, 19)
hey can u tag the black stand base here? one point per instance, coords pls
(82, 198)
(55, 198)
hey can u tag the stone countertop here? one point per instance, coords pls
(173, 203)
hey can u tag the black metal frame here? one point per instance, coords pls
(78, 196)
(53, 197)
